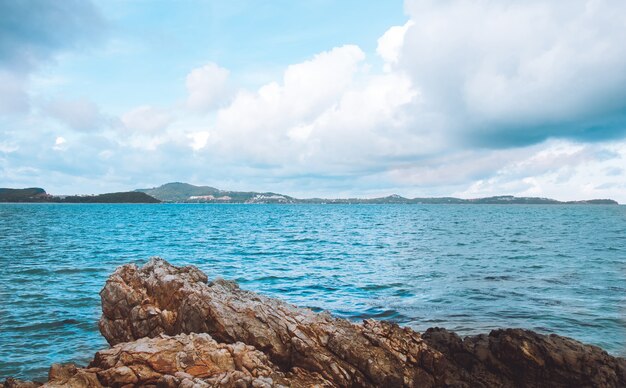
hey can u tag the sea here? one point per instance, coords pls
(469, 268)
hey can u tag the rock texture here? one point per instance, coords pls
(191, 360)
(185, 360)
(162, 299)
(170, 327)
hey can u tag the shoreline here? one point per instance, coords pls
(244, 337)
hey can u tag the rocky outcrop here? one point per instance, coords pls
(523, 358)
(192, 360)
(185, 360)
(162, 299)
(171, 327)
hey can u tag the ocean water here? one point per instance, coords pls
(469, 268)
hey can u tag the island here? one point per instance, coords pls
(178, 192)
(36, 194)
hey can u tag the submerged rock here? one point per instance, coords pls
(170, 327)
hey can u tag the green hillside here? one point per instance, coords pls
(178, 192)
(124, 197)
(184, 192)
(32, 194)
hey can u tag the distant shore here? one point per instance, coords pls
(177, 192)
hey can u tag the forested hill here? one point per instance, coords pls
(185, 193)
(36, 194)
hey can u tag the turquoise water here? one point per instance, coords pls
(469, 268)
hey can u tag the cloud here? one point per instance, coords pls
(467, 98)
(146, 119)
(391, 42)
(13, 97)
(615, 171)
(558, 169)
(198, 139)
(207, 87)
(506, 73)
(79, 114)
(7, 147)
(255, 124)
(60, 144)
(32, 31)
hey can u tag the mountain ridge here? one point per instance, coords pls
(179, 192)
(37, 194)
(185, 192)
(189, 193)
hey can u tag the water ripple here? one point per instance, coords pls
(468, 268)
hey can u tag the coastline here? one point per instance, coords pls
(185, 193)
(245, 339)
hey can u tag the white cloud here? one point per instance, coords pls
(198, 139)
(557, 169)
(255, 124)
(79, 114)
(13, 97)
(146, 119)
(8, 147)
(207, 87)
(390, 44)
(520, 71)
(307, 89)
(515, 78)
(33, 36)
(60, 144)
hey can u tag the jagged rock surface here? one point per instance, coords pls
(185, 360)
(190, 360)
(169, 327)
(162, 299)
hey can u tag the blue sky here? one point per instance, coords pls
(316, 98)
(146, 49)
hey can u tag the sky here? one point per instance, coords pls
(316, 98)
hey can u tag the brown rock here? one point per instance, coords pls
(193, 360)
(183, 357)
(15, 383)
(170, 328)
(160, 298)
(524, 358)
(70, 376)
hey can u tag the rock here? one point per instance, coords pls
(15, 383)
(183, 360)
(193, 360)
(524, 358)
(162, 299)
(170, 328)
(70, 376)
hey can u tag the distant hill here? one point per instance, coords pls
(32, 194)
(37, 194)
(184, 192)
(498, 200)
(178, 192)
(391, 199)
(509, 199)
(124, 197)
